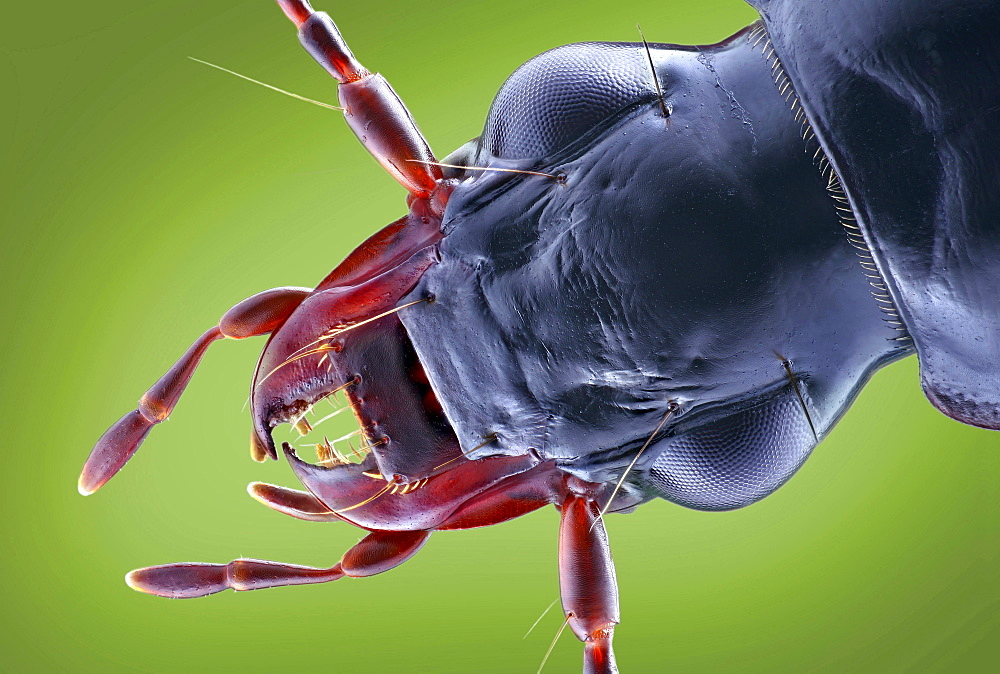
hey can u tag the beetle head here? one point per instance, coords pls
(693, 257)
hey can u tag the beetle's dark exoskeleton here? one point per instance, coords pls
(661, 271)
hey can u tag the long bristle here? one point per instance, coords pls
(544, 613)
(491, 438)
(785, 363)
(671, 410)
(652, 68)
(553, 644)
(554, 176)
(268, 86)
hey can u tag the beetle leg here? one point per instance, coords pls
(587, 577)
(299, 504)
(256, 315)
(373, 110)
(377, 552)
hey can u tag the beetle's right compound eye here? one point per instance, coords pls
(557, 97)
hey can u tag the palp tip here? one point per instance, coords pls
(179, 581)
(132, 580)
(85, 487)
(257, 490)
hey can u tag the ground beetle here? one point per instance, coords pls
(661, 271)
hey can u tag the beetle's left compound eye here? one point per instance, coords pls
(558, 97)
(737, 459)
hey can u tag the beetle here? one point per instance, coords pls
(598, 303)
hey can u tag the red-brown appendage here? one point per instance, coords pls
(512, 498)
(255, 315)
(377, 552)
(587, 576)
(187, 580)
(380, 551)
(297, 11)
(298, 504)
(373, 110)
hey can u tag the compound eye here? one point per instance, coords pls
(558, 97)
(736, 460)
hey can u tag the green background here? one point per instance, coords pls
(143, 194)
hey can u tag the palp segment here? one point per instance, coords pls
(256, 315)
(372, 109)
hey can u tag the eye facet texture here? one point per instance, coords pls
(557, 97)
(736, 460)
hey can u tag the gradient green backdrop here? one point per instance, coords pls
(143, 194)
